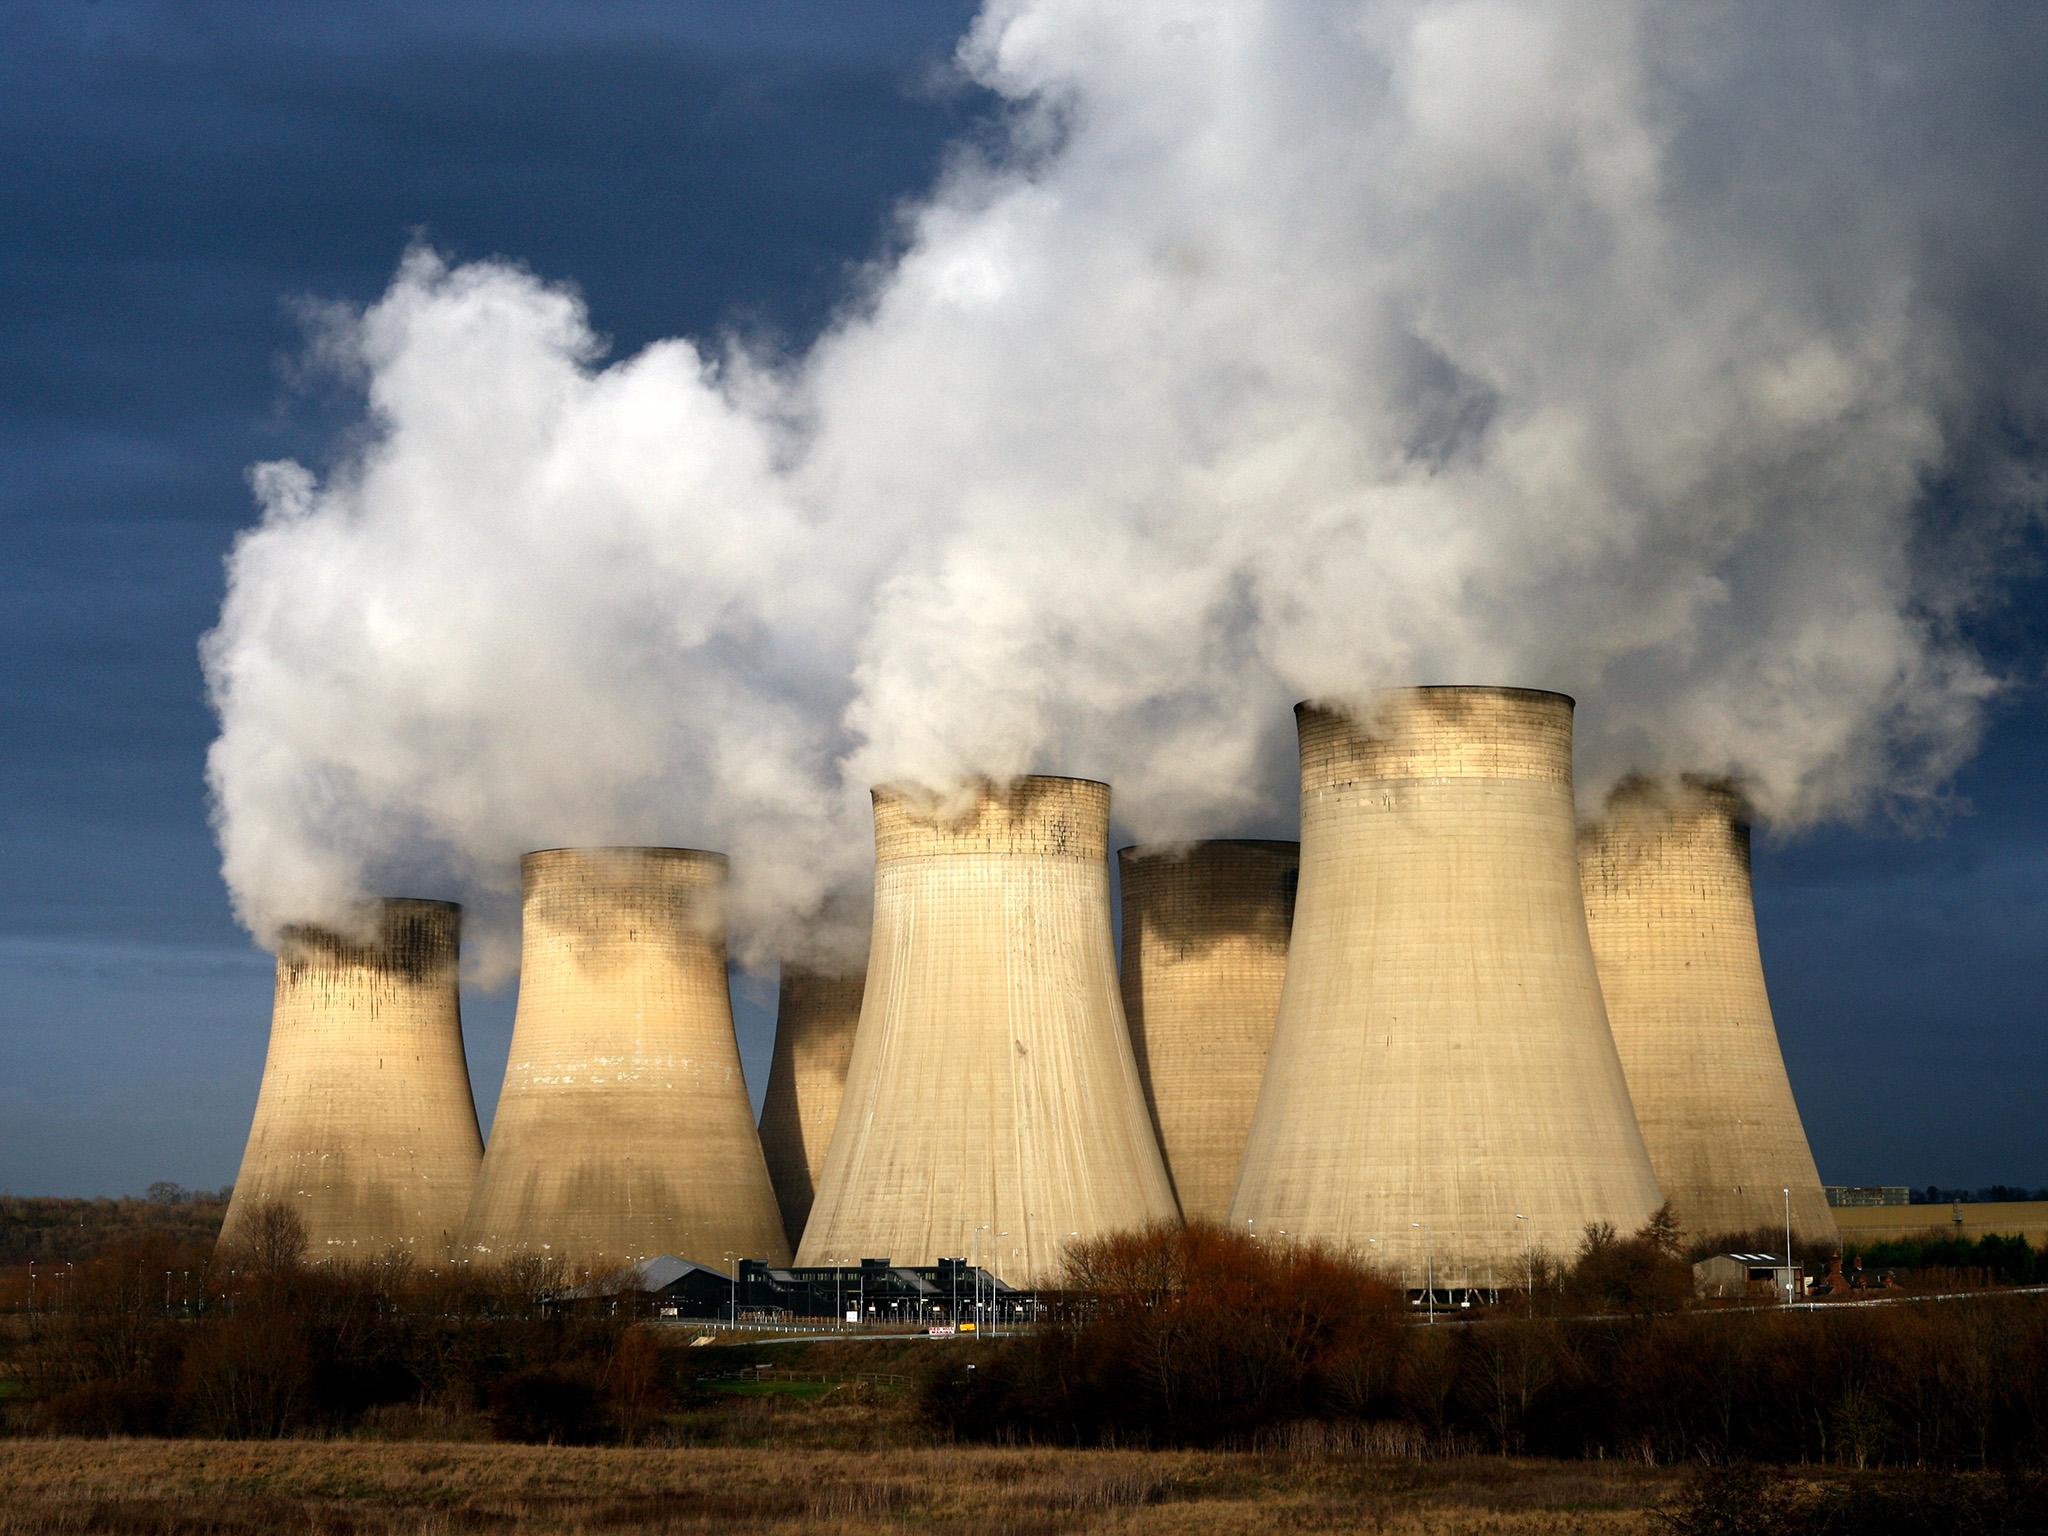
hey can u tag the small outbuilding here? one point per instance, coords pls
(1748, 1276)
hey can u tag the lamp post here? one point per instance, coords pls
(1791, 1280)
(1428, 1272)
(995, 1290)
(732, 1269)
(1528, 1259)
(983, 1227)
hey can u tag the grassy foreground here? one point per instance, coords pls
(167, 1488)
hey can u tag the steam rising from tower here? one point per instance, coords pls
(364, 1124)
(624, 1130)
(815, 1019)
(1204, 956)
(992, 1102)
(1442, 1063)
(1217, 329)
(1673, 925)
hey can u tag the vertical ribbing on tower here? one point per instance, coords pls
(992, 1083)
(1205, 929)
(1442, 1062)
(624, 1130)
(364, 1124)
(1666, 876)
(816, 1015)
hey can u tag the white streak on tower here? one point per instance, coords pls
(1668, 902)
(1204, 957)
(816, 1016)
(992, 1082)
(1442, 1062)
(624, 1130)
(364, 1124)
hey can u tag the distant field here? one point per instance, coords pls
(183, 1488)
(1876, 1223)
(359, 1488)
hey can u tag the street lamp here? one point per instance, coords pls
(995, 1295)
(983, 1227)
(1528, 1258)
(1790, 1280)
(733, 1273)
(1428, 1273)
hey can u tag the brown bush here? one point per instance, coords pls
(1186, 1335)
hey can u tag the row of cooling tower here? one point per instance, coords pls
(1449, 1027)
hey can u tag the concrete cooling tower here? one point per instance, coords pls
(992, 1084)
(1204, 956)
(364, 1123)
(1666, 879)
(815, 1019)
(624, 1130)
(1442, 1064)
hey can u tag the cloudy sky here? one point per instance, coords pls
(1682, 368)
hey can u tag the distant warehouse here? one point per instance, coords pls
(1845, 1195)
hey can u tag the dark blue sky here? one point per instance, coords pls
(176, 178)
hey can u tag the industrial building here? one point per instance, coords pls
(1861, 1196)
(1443, 1093)
(1205, 930)
(1666, 877)
(871, 1294)
(992, 1102)
(624, 1130)
(815, 1019)
(364, 1123)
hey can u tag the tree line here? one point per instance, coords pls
(1197, 1336)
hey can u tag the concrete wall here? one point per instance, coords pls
(992, 1082)
(1667, 887)
(815, 1019)
(624, 1130)
(364, 1124)
(1204, 956)
(1442, 1057)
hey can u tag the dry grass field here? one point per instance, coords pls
(355, 1488)
(1881, 1223)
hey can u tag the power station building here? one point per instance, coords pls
(1443, 1093)
(624, 1130)
(1204, 957)
(815, 1018)
(992, 1104)
(1666, 876)
(364, 1123)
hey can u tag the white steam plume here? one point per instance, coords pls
(1679, 358)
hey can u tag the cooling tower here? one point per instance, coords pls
(1205, 953)
(1666, 878)
(815, 1019)
(364, 1123)
(1442, 1063)
(992, 1083)
(624, 1130)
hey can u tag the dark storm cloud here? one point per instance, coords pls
(178, 177)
